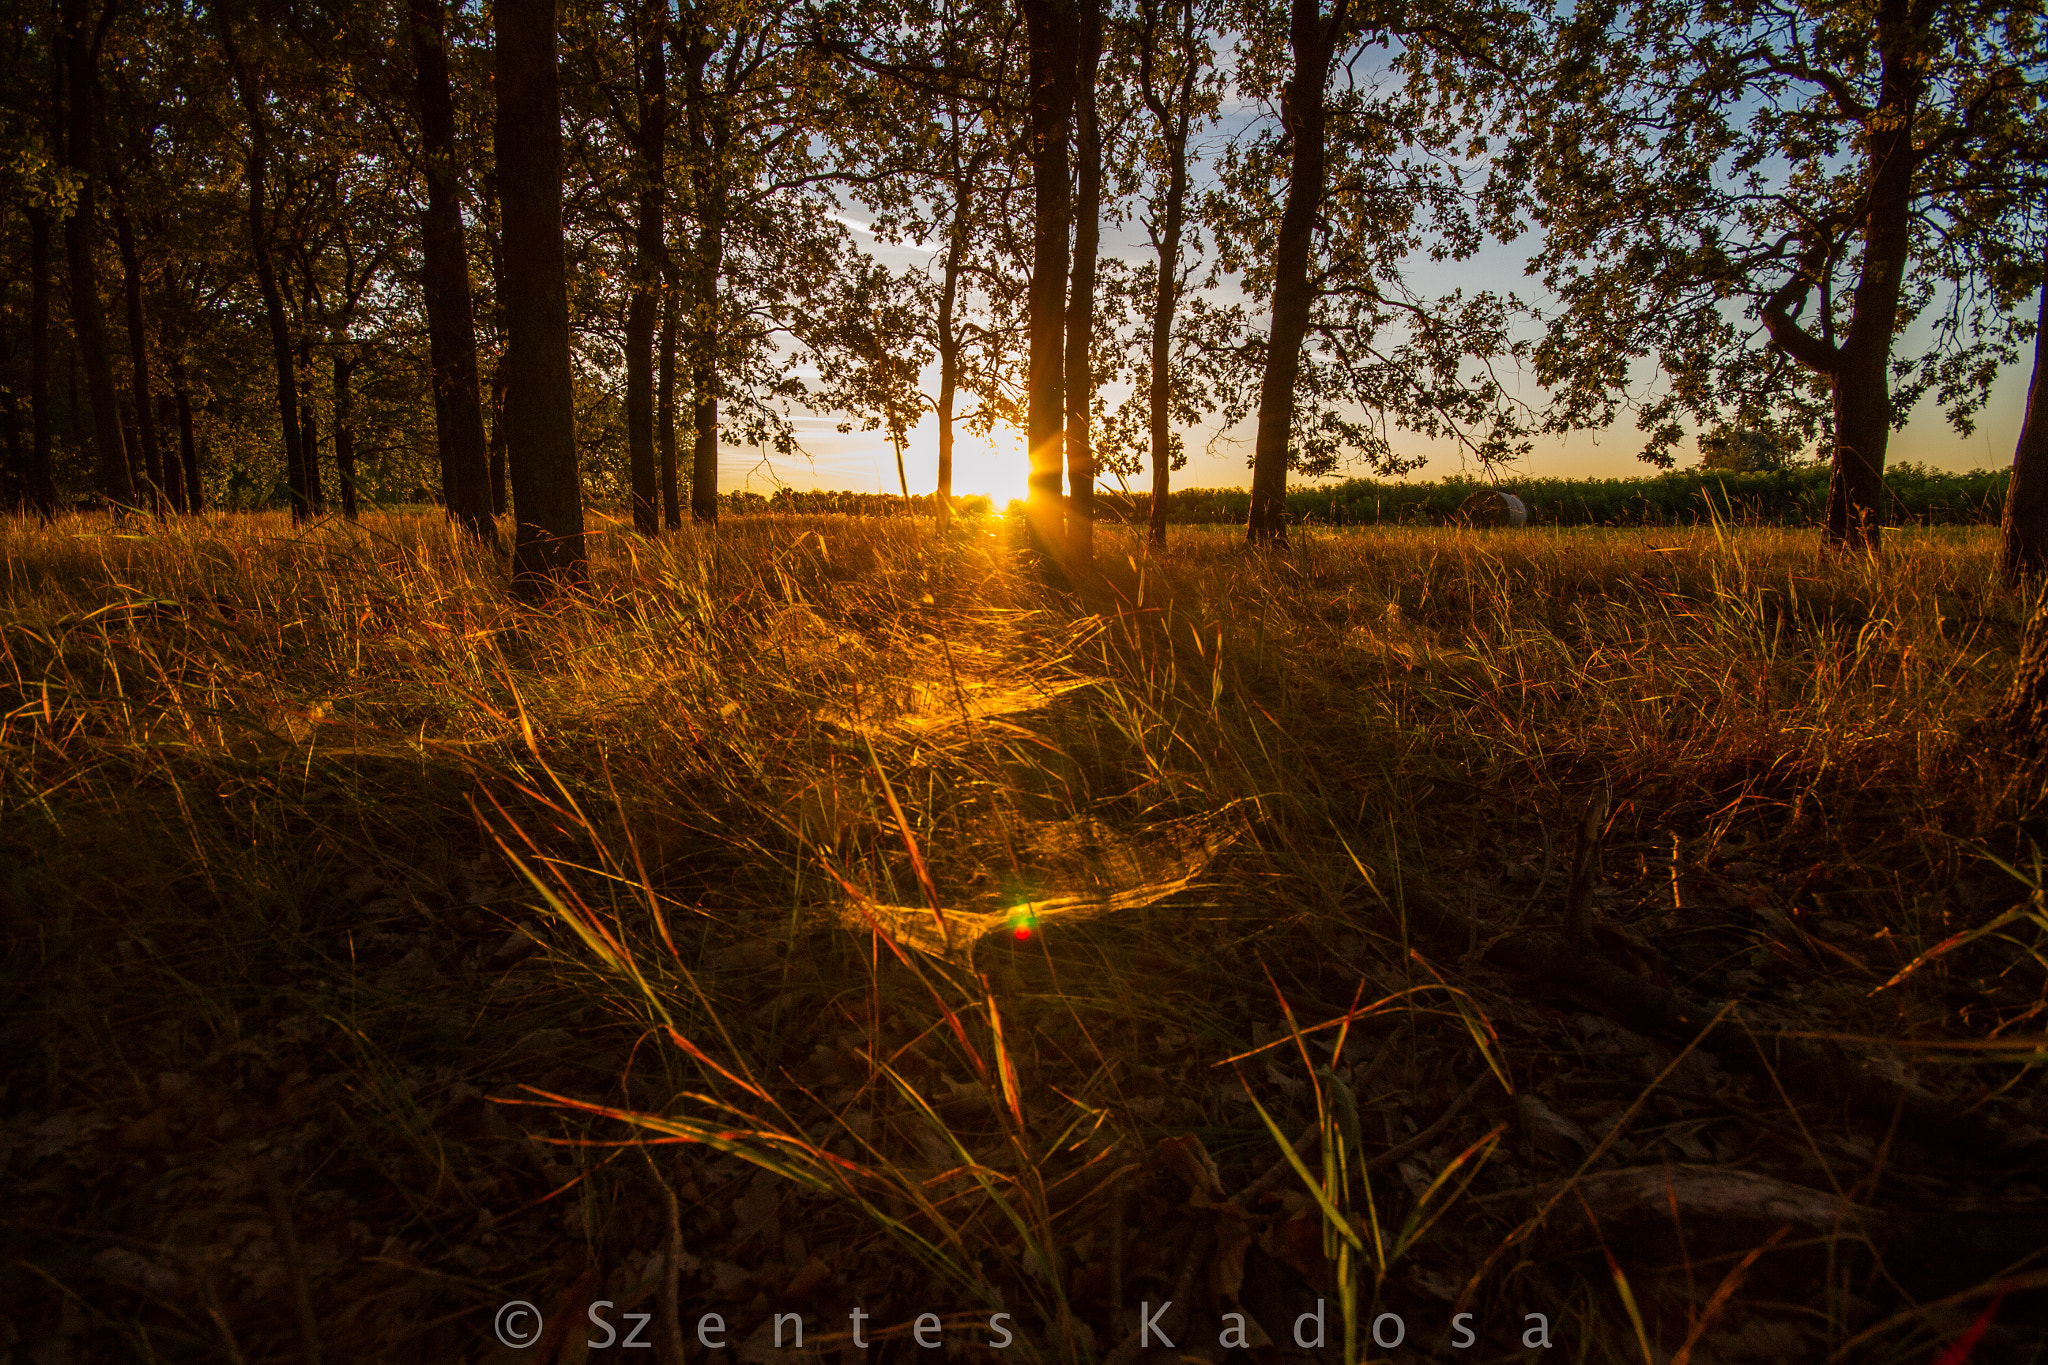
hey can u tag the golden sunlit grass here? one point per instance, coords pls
(776, 802)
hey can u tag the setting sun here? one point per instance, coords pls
(994, 465)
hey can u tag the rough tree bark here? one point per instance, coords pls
(651, 148)
(81, 51)
(2024, 712)
(1303, 110)
(540, 413)
(1857, 367)
(496, 236)
(444, 278)
(709, 129)
(2023, 527)
(39, 487)
(174, 469)
(345, 432)
(1173, 116)
(949, 348)
(188, 451)
(665, 403)
(159, 478)
(1080, 375)
(309, 424)
(1049, 29)
(266, 268)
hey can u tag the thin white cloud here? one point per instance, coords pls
(863, 227)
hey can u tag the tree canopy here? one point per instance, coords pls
(258, 248)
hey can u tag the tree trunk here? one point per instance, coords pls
(1862, 403)
(1049, 26)
(1165, 302)
(174, 470)
(128, 436)
(1166, 296)
(177, 488)
(138, 355)
(309, 426)
(1862, 389)
(444, 278)
(704, 376)
(2023, 528)
(345, 433)
(665, 404)
(2024, 712)
(949, 348)
(494, 232)
(499, 500)
(708, 131)
(704, 453)
(188, 451)
(902, 478)
(642, 457)
(266, 270)
(81, 50)
(41, 488)
(14, 480)
(1303, 111)
(645, 303)
(1080, 324)
(540, 412)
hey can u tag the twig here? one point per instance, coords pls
(1274, 1173)
(1429, 1134)
(1542, 879)
(1578, 901)
(671, 1275)
(294, 1262)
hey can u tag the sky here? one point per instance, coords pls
(997, 466)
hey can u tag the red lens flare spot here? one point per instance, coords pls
(1022, 931)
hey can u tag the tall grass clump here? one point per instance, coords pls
(826, 912)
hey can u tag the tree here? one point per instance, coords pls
(1080, 320)
(444, 277)
(540, 416)
(1171, 48)
(1313, 38)
(869, 356)
(757, 112)
(1746, 450)
(1051, 42)
(165, 482)
(1375, 175)
(649, 134)
(44, 188)
(2002, 236)
(83, 38)
(929, 147)
(2023, 524)
(1757, 195)
(256, 167)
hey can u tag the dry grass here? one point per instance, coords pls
(769, 802)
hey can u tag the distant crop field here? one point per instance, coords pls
(1793, 497)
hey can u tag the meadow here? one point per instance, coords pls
(831, 913)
